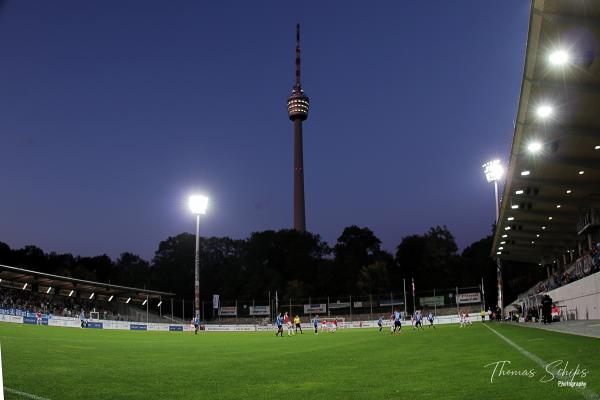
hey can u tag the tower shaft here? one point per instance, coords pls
(299, 215)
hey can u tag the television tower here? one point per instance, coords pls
(298, 111)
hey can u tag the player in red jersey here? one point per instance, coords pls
(288, 323)
(334, 325)
(38, 318)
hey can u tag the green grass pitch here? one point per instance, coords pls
(446, 363)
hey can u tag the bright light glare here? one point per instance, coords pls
(534, 147)
(510, 218)
(71, 294)
(500, 248)
(507, 228)
(49, 289)
(514, 206)
(525, 173)
(159, 304)
(110, 298)
(581, 172)
(145, 301)
(499, 252)
(92, 296)
(504, 236)
(519, 192)
(128, 300)
(544, 111)
(198, 204)
(568, 191)
(493, 170)
(559, 57)
(24, 286)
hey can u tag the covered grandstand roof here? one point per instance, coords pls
(554, 172)
(57, 282)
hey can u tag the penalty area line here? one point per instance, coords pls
(586, 393)
(24, 394)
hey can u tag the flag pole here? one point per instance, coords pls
(404, 288)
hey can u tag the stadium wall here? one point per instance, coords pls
(581, 298)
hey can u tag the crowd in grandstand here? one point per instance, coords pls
(584, 266)
(28, 301)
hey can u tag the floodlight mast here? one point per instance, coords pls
(494, 171)
(198, 205)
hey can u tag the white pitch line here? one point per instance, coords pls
(594, 325)
(24, 394)
(586, 393)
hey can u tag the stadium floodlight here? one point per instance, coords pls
(544, 111)
(159, 304)
(145, 301)
(514, 206)
(519, 191)
(198, 204)
(49, 289)
(92, 295)
(510, 218)
(581, 172)
(24, 286)
(128, 300)
(493, 170)
(71, 294)
(534, 147)
(559, 58)
(110, 298)
(525, 173)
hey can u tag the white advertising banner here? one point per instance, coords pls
(228, 311)
(315, 308)
(339, 305)
(464, 298)
(259, 310)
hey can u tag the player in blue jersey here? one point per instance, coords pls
(316, 324)
(196, 324)
(418, 318)
(279, 323)
(397, 323)
(380, 323)
(430, 319)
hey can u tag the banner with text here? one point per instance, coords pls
(315, 308)
(464, 298)
(259, 310)
(228, 311)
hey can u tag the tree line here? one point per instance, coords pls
(296, 264)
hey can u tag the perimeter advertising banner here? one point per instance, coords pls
(259, 310)
(432, 301)
(465, 298)
(228, 311)
(315, 308)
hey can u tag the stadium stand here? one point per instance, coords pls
(27, 291)
(549, 213)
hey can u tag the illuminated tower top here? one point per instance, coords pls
(298, 101)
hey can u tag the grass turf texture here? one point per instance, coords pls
(66, 363)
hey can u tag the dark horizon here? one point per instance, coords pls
(107, 131)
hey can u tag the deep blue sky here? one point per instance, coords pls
(112, 112)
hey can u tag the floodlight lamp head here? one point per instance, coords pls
(493, 170)
(198, 204)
